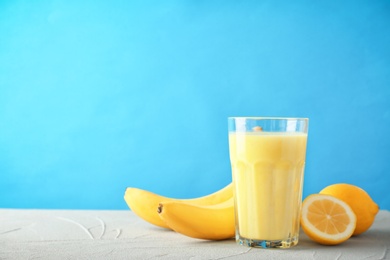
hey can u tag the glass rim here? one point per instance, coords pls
(267, 118)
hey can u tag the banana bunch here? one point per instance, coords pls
(209, 217)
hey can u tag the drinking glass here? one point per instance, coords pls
(267, 157)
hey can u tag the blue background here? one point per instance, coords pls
(96, 96)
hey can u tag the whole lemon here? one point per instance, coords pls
(358, 199)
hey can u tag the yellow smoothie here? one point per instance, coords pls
(267, 170)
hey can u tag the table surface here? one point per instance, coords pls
(92, 234)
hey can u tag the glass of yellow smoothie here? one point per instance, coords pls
(267, 157)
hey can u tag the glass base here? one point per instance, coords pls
(267, 243)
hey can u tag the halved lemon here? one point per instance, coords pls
(327, 219)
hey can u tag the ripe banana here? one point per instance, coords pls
(215, 222)
(145, 203)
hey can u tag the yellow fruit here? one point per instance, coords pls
(145, 203)
(215, 222)
(361, 203)
(327, 219)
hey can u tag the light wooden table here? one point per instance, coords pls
(90, 234)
